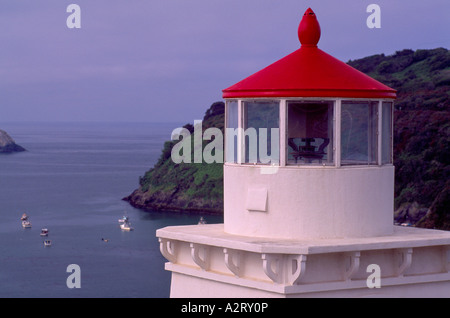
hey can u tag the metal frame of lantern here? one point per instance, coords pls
(335, 144)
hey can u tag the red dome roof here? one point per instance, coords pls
(309, 72)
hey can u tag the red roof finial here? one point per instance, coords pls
(309, 29)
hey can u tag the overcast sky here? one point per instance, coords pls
(168, 60)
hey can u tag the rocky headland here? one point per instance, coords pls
(7, 144)
(183, 187)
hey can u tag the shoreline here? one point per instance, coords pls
(166, 207)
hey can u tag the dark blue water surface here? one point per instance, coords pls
(71, 181)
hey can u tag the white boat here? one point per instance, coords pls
(44, 232)
(26, 224)
(126, 226)
(47, 243)
(124, 219)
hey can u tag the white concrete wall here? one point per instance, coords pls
(309, 202)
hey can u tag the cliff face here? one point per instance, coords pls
(7, 144)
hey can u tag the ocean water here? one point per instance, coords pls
(71, 181)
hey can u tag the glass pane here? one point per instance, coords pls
(261, 132)
(359, 133)
(386, 133)
(310, 133)
(231, 140)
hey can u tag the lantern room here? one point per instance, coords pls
(308, 148)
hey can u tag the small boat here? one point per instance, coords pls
(201, 221)
(126, 226)
(24, 217)
(47, 243)
(124, 219)
(44, 232)
(26, 224)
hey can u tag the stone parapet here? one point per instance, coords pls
(207, 262)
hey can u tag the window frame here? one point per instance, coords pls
(242, 143)
(373, 133)
(332, 130)
(390, 138)
(236, 147)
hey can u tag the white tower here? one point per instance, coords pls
(308, 192)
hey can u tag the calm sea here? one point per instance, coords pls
(71, 181)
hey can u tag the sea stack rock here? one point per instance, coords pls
(7, 144)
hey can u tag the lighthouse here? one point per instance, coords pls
(308, 192)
